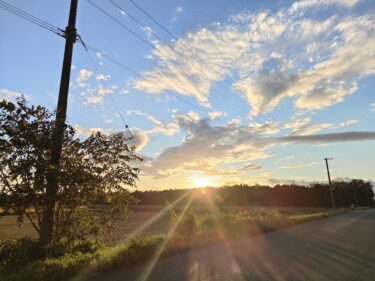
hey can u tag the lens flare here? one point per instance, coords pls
(203, 181)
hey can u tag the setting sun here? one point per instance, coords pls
(187, 140)
(203, 182)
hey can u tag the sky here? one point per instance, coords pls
(214, 92)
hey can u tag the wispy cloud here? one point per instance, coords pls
(285, 54)
(102, 77)
(161, 128)
(331, 137)
(206, 147)
(11, 95)
(347, 123)
(83, 75)
(176, 13)
(297, 165)
(303, 126)
(96, 95)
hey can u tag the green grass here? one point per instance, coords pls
(94, 260)
(316, 215)
(21, 261)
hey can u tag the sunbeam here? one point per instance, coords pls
(146, 273)
(141, 228)
(155, 218)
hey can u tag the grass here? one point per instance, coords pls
(9, 229)
(194, 229)
(318, 215)
(135, 251)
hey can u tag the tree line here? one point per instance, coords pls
(346, 194)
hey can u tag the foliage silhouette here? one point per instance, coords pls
(96, 167)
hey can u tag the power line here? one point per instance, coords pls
(112, 98)
(130, 70)
(30, 18)
(61, 32)
(305, 147)
(183, 44)
(175, 51)
(150, 44)
(139, 37)
(50, 27)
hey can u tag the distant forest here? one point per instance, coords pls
(346, 194)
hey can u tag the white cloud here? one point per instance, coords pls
(11, 95)
(85, 132)
(147, 30)
(161, 128)
(286, 54)
(328, 138)
(266, 128)
(347, 123)
(176, 12)
(216, 114)
(95, 96)
(99, 55)
(306, 4)
(373, 106)
(102, 77)
(303, 126)
(205, 148)
(83, 75)
(136, 137)
(297, 165)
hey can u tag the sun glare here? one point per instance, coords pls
(203, 182)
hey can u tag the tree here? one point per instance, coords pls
(93, 168)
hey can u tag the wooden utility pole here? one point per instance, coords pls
(58, 132)
(330, 184)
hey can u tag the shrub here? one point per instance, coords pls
(17, 254)
(78, 257)
(88, 246)
(208, 225)
(187, 225)
(57, 269)
(134, 252)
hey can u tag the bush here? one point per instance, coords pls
(57, 269)
(17, 254)
(187, 225)
(88, 246)
(211, 226)
(136, 251)
(82, 256)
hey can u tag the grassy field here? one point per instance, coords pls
(9, 229)
(21, 259)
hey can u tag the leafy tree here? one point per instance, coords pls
(91, 168)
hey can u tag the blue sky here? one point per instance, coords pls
(251, 91)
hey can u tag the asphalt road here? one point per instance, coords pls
(336, 248)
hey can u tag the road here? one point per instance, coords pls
(336, 248)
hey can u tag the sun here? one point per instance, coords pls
(202, 182)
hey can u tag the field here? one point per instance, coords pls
(9, 229)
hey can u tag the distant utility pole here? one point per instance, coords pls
(330, 184)
(58, 132)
